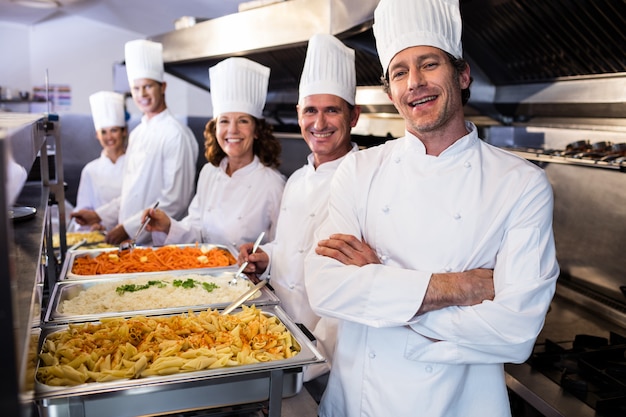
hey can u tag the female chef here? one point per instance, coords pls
(239, 190)
(101, 179)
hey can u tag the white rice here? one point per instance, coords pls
(103, 297)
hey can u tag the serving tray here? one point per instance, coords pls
(67, 274)
(69, 289)
(195, 390)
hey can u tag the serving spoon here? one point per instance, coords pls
(243, 265)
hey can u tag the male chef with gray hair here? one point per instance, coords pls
(414, 229)
(161, 156)
(326, 115)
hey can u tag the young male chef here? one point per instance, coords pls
(326, 115)
(412, 224)
(161, 156)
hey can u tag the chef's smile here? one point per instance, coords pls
(422, 101)
(322, 135)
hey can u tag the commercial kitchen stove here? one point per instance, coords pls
(578, 365)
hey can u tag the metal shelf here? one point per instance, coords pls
(554, 159)
(27, 260)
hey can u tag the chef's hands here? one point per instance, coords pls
(98, 228)
(86, 217)
(257, 261)
(347, 249)
(116, 235)
(458, 289)
(159, 220)
(444, 290)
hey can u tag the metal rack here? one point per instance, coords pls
(27, 259)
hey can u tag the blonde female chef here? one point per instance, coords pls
(239, 190)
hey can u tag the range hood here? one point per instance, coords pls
(530, 59)
(275, 36)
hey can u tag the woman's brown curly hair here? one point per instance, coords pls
(265, 146)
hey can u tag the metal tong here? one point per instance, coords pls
(130, 244)
(243, 265)
(244, 297)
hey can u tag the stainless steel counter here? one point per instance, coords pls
(23, 137)
(28, 235)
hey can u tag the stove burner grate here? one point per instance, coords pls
(593, 370)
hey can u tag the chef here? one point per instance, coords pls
(101, 179)
(240, 187)
(161, 156)
(413, 226)
(326, 115)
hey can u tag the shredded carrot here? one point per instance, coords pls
(166, 258)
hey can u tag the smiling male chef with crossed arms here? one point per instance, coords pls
(161, 156)
(415, 336)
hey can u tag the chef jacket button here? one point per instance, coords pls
(239, 218)
(397, 160)
(300, 250)
(234, 244)
(312, 215)
(467, 164)
(386, 209)
(447, 269)
(456, 216)
(291, 286)
(428, 368)
(383, 258)
(372, 355)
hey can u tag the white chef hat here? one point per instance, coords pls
(328, 68)
(107, 109)
(401, 24)
(239, 85)
(144, 59)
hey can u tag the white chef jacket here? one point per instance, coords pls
(230, 210)
(100, 182)
(303, 209)
(160, 165)
(474, 206)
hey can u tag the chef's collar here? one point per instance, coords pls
(330, 165)
(241, 171)
(156, 117)
(456, 148)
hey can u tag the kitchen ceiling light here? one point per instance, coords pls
(39, 4)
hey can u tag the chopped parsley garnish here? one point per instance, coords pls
(209, 286)
(191, 283)
(188, 283)
(135, 287)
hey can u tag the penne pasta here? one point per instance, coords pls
(141, 347)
